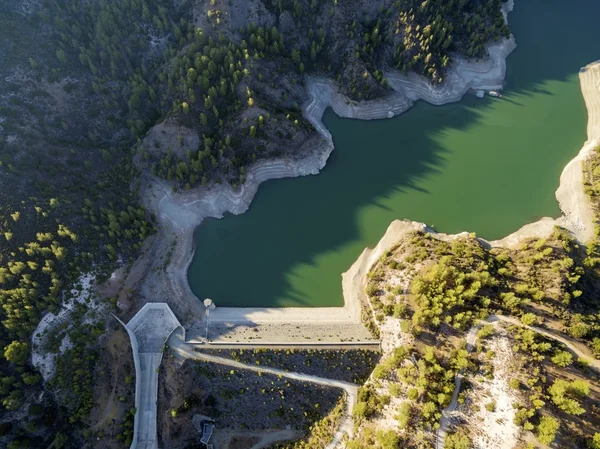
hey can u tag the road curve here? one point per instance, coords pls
(183, 350)
(471, 337)
(552, 335)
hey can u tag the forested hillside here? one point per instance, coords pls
(83, 83)
(540, 362)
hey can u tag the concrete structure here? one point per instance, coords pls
(148, 331)
(207, 431)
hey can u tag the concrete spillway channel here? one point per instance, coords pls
(148, 331)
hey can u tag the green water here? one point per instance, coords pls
(488, 166)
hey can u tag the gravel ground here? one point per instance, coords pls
(235, 399)
(350, 365)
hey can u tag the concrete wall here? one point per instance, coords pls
(138, 380)
(146, 370)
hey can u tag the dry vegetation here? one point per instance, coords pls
(350, 365)
(235, 399)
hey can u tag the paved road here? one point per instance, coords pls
(471, 338)
(185, 350)
(148, 330)
(371, 346)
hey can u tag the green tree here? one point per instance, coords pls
(60, 440)
(388, 440)
(547, 428)
(459, 440)
(529, 319)
(60, 54)
(594, 443)
(579, 330)
(404, 414)
(17, 352)
(562, 358)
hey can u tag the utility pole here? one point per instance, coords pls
(210, 305)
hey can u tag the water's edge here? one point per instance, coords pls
(180, 213)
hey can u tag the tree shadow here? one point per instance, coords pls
(299, 235)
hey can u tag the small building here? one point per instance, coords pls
(207, 431)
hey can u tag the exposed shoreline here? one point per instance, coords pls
(577, 212)
(179, 214)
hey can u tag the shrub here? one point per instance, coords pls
(579, 330)
(395, 390)
(400, 310)
(529, 319)
(404, 414)
(412, 393)
(594, 443)
(547, 428)
(514, 383)
(595, 346)
(562, 358)
(360, 410)
(459, 440)
(388, 440)
(485, 331)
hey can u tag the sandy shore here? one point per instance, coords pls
(180, 213)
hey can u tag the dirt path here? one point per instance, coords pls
(111, 407)
(471, 337)
(445, 421)
(584, 355)
(109, 410)
(185, 351)
(274, 437)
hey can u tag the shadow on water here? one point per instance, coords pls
(488, 166)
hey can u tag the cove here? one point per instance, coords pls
(481, 165)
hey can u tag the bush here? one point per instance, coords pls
(579, 330)
(404, 414)
(388, 440)
(380, 372)
(485, 331)
(36, 410)
(595, 347)
(412, 393)
(546, 431)
(395, 390)
(400, 310)
(562, 358)
(459, 440)
(594, 443)
(360, 410)
(529, 319)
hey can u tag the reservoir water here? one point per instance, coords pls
(482, 165)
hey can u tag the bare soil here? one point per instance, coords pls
(235, 399)
(114, 390)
